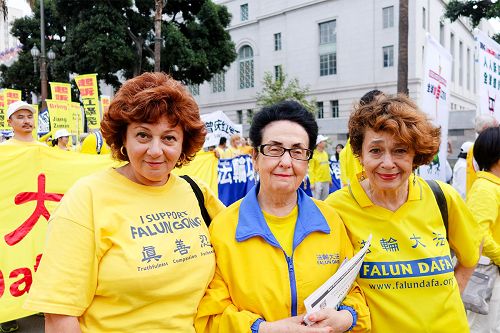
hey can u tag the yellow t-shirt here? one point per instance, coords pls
(407, 276)
(319, 168)
(483, 200)
(349, 164)
(125, 257)
(283, 228)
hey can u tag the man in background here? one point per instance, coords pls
(21, 118)
(319, 170)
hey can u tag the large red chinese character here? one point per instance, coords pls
(40, 196)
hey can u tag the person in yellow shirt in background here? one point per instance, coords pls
(234, 147)
(220, 150)
(61, 139)
(20, 117)
(319, 170)
(407, 276)
(349, 164)
(483, 200)
(93, 143)
(246, 148)
(482, 122)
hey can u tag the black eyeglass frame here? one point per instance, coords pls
(289, 150)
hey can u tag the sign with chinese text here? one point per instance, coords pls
(60, 117)
(435, 89)
(11, 96)
(60, 91)
(3, 112)
(87, 84)
(219, 125)
(488, 80)
(105, 101)
(235, 177)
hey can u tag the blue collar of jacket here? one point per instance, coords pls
(251, 222)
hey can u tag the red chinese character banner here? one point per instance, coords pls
(3, 111)
(87, 84)
(33, 181)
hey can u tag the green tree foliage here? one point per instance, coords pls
(115, 38)
(274, 91)
(473, 9)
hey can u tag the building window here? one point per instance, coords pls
(424, 18)
(239, 115)
(277, 41)
(441, 34)
(335, 108)
(245, 60)
(249, 115)
(388, 52)
(452, 52)
(468, 69)
(278, 73)
(194, 89)
(388, 17)
(244, 12)
(460, 63)
(327, 34)
(319, 110)
(327, 48)
(218, 82)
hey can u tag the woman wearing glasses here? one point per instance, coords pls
(277, 245)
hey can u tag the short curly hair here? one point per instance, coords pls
(145, 99)
(401, 117)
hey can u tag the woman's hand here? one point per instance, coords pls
(338, 321)
(55, 323)
(291, 325)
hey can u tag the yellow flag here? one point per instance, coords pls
(11, 96)
(60, 91)
(60, 117)
(87, 84)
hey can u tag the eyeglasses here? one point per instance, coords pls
(272, 150)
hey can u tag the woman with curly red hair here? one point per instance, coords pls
(408, 277)
(128, 249)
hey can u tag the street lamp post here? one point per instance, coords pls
(39, 55)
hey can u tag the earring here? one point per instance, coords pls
(122, 151)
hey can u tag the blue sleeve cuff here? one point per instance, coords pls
(353, 313)
(256, 324)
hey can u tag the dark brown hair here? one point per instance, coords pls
(145, 99)
(399, 116)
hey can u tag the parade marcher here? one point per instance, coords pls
(338, 149)
(349, 164)
(220, 151)
(319, 170)
(246, 148)
(234, 147)
(61, 139)
(483, 200)
(93, 143)
(459, 170)
(128, 249)
(267, 245)
(408, 275)
(482, 122)
(20, 116)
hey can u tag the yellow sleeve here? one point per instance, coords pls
(484, 206)
(355, 298)
(213, 205)
(463, 232)
(67, 276)
(217, 314)
(343, 165)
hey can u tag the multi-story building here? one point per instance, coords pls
(9, 45)
(339, 49)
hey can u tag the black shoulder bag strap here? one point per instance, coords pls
(199, 197)
(441, 201)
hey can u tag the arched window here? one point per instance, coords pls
(245, 59)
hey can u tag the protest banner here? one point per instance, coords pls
(435, 90)
(219, 125)
(87, 84)
(488, 76)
